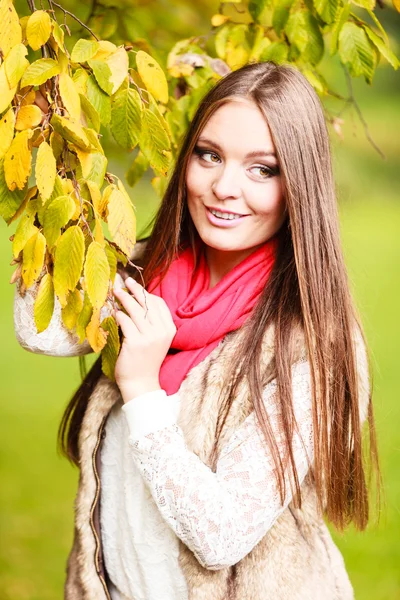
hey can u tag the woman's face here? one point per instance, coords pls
(234, 189)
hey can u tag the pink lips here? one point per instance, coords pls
(223, 222)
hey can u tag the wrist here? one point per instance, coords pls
(133, 389)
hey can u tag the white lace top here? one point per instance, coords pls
(154, 490)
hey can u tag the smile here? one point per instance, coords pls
(223, 215)
(221, 218)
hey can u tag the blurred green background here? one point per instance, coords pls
(38, 487)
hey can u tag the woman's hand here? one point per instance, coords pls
(148, 331)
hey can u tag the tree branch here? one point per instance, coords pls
(81, 23)
(354, 102)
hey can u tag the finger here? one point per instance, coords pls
(134, 310)
(153, 306)
(128, 328)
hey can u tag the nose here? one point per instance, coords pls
(226, 183)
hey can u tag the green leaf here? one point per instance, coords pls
(303, 32)
(327, 9)
(126, 114)
(110, 351)
(71, 131)
(281, 15)
(90, 112)
(356, 52)
(68, 262)
(56, 216)
(102, 73)
(97, 169)
(368, 4)
(137, 169)
(382, 47)
(99, 99)
(25, 230)
(277, 52)
(84, 50)
(84, 318)
(40, 71)
(257, 7)
(44, 303)
(154, 142)
(341, 18)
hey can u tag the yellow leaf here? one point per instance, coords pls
(26, 98)
(71, 131)
(58, 34)
(40, 71)
(33, 258)
(24, 22)
(17, 161)
(6, 131)
(96, 336)
(70, 96)
(25, 230)
(56, 216)
(118, 62)
(217, 20)
(396, 4)
(26, 204)
(15, 64)
(28, 117)
(72, 309)
(57, 144)
(99, 235)
(95, 195)
(45, 170)
(44, 303)
(10, 28)
(121, 221)
(38, 29)
(105, 48)
(84, 318)
(152, 75)
(6, 94)
(97, 274)
(103, 204)
(68, 262)
(84, 50)
(86, 160)
(110, 351)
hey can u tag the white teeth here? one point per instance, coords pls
(227, 216)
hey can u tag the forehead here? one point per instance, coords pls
(239, 124)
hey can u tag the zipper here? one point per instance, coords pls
(100, 436)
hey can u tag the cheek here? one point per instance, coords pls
(268, 202)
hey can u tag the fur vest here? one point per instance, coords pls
(297, 558)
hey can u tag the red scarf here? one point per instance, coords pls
(204, 316)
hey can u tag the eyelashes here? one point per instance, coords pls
(271, 171)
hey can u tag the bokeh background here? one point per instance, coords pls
(37, 486)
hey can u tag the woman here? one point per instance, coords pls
(242, 382)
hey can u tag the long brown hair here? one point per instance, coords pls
(308, 288)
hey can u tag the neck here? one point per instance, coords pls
(220, 262)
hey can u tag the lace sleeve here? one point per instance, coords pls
(221, 516)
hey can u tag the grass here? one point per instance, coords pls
(38, 487)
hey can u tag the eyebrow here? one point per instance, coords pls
(249, 155)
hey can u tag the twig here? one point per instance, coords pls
(360, 115)
(81, 23)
